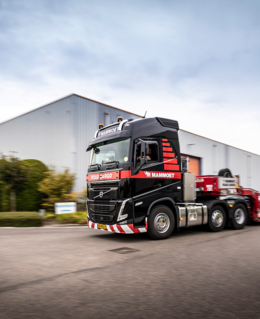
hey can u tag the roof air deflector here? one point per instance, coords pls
(168, 123)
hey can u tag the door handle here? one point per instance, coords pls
(157, 186)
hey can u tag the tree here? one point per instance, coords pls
(29, 198)
(14, 173)
(57, 187)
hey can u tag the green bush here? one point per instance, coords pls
(29, 198)
(20, 219)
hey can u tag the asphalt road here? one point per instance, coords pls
(73, 272)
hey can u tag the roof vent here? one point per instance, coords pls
(168, 123)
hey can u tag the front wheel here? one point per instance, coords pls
(239, 219)
(217, 219)
(160, 222)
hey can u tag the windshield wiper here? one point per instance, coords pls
(110, 162)
(97, 166)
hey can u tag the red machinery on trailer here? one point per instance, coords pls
(228, 188)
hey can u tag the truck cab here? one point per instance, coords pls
(138, 182)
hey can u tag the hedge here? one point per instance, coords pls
(20, 219)
(72, 218)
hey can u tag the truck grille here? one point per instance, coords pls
(102, 218)
(102, 208)
(103, 193)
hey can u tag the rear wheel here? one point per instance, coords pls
(239, 219)
(160, 222)
(217, 219)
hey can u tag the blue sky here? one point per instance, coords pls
(193, 61)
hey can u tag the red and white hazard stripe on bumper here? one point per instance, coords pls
(121, 229)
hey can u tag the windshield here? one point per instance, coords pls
(111, 151)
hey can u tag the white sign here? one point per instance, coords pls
(226, 182)
(65, 208)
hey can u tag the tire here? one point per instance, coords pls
(217, 219)
(225, 172)
(161, 222)
(239, 219)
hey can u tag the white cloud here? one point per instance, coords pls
(194, 61)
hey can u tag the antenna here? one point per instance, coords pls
(144, 115)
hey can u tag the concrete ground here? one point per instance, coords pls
(73, 272)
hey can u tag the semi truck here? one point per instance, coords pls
(138, 182)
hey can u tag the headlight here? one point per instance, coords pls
(120, 216)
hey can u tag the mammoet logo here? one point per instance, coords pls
(167, 175)
(158, 175)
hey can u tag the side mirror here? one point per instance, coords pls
(143, 159)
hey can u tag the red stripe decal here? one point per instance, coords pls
(168, 155)
(161, 175)
(166, 144)
(146, 225)
(171, 160)
(120, 229)
(164, 139)
(102, 176)
(135, 230)
(125, 174)
(167, 149)
(112, 228)
(93, 225)
(170, 167)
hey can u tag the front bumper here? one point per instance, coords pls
(122, 229)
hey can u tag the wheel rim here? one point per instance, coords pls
(239, 216)
(161, 223)
(217, 218)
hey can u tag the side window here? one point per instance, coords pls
(151, 153)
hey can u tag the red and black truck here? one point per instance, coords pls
(137, 182)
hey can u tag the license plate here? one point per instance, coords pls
(100, 226)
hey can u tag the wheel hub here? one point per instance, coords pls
(161, 223)
(217, 218)
(239, 216)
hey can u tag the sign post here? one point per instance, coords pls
(65, 208)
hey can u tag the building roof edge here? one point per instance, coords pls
(219, 142)
(65, 97)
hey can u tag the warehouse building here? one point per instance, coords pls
(58, 134)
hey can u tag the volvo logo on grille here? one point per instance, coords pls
(101, 194)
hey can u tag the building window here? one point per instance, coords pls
(249, 168)
(215, 159)
(107, 119)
